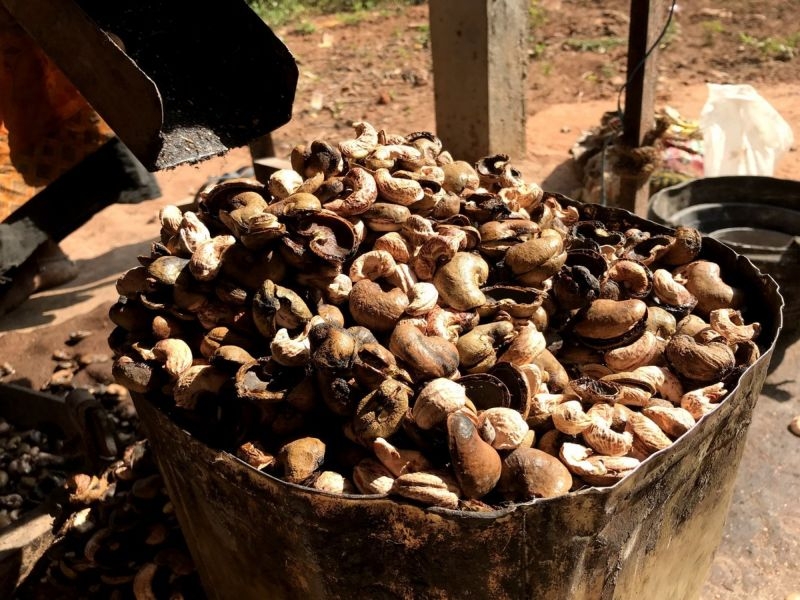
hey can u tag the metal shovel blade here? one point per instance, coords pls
(177, 81)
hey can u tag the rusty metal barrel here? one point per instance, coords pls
(652, 535)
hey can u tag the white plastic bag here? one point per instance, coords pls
(742, 133)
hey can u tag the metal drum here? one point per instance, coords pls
(653, 535)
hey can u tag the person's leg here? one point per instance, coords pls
(30, 259)
(46, 268)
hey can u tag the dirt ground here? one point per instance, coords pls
(378, 67)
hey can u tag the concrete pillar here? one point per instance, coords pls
(479, 69)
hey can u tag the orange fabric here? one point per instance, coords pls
(46, 126)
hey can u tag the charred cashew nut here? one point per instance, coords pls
(396, 245)
(195, 381)
(398, 460)
(332, 482)
(174, 354)
(534, 376)
(301, 457)
(701, 363)
(253, 454)
(192, 232)
(688, 242)
(703, 400)
(133, 282)
(437, 249)
(284, 183)
(542, 406)
(372, 265)
(380, 413)
(423, 297)
(568, 215)
(365, 142)
(429, 173)
(247, 205)
(338, 290)
(436, 400)
(660, 322)
(610, 319)
(670, 292)
(503, 428)
(575, 456)
(403, 278)
(433, 488)
(647, 436)
(673, 420)
(459, 176)
(557, 377)
(389, 153)
(644, 351)
(448, 324)
(429, 146)
(371, 477)
(385, 216)
(136, 376)
(206, 260)
(526, 346)
(729, 323)
(535, 260)
(417, 230)
(170, 217)
(634, 276)
(648, 377)
(364, 194)
(530, 473)
(290, 351)
(614, 468)
(522, 197)
(570, 418)
(296, 204)
(319, 157)
(604, 440)
(143, 582)
(702, 278)
(671, 389)
(374, 308)
(691, 325)
(477, 348)
(405, 192)
(459, 281)
(477, 465)
(428, 357)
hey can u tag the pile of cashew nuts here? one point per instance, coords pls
(381, 319)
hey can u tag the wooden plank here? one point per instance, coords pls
(479, 70)
(647, 21)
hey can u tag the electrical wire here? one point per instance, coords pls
(620, 112)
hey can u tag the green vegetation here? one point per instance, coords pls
(711, 29)
(353, 18)
(779, 48)
(599, 45)
(423, 35)
(537, 16)
(304, 27)
(284, 12)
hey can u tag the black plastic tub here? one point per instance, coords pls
(653, 535)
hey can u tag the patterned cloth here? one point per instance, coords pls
(46, 126)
